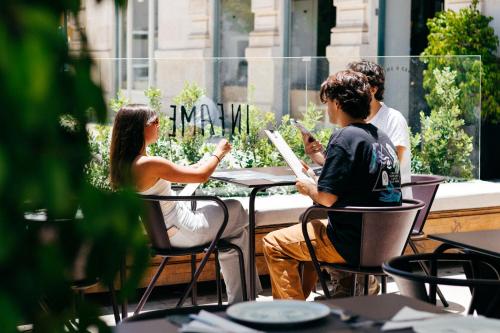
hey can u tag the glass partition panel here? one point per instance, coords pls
(239, 97)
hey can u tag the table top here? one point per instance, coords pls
(256, 177)
(382, 307)
(483, 241)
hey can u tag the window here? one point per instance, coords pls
(138, 40)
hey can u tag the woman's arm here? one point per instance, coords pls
(154, 167)
(159, 167)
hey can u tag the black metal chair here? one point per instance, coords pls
(40, 223)
(482, 278)
(424, 188)
(160, 244)
(384, 234)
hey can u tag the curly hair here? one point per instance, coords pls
(351, 90)
(375, 74)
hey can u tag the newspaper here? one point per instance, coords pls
(289, 156)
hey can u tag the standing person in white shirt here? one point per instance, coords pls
(389, 120)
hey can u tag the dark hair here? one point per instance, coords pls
(351, 90)
(127, 141)
(375, 74)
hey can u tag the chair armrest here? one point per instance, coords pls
(408, 204)
(215, 199)
(428, 180)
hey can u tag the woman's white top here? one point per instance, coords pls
(162, 187)
(174, 212)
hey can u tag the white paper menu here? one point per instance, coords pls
(288, 155)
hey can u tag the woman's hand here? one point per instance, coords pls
(223, 147)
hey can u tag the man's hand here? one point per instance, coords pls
(309, 171)
(314, 149)
(311, 145)
(305, 186)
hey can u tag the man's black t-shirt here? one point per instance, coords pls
(362, 169)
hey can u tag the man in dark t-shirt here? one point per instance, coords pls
(360, 168)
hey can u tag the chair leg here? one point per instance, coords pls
(426, 271)
(383, 280)
(241, 262)
(114, 303)
(314, 259)
(367, 277)
(354, 284)
(150, 287)
(242, 273)
(194, 290)
(123, 275)
(217, 277)
(195, 277)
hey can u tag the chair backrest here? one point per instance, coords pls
(482, 273)
(385, 232)
(424, 188)
(152, 219)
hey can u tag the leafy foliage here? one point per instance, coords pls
(48, 98)
(466, 32)
(443, 147)
(251, 149)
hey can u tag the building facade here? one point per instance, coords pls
(168, 43)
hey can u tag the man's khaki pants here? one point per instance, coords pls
(286, 248)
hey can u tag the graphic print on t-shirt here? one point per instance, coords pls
(384, 162)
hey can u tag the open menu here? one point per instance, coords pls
(288, 155)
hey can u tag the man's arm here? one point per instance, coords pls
(311, 190)
(400, 151)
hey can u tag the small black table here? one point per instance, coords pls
(380, 308)
(485, 242)
(264, 179)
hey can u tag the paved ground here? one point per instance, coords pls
(166, 297)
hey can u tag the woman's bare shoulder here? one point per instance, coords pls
(150, 165)
(150, 160)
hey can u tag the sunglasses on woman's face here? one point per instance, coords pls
(154, 122)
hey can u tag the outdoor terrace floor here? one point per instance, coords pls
(167, 297)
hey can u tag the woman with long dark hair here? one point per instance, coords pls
(135, 127)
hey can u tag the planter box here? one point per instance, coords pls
(457, 207)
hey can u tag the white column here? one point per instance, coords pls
(129, 39)
(151, 42)
(355, 34)
(265, 75)
(397, 43)
(184, 41)
(98, 22)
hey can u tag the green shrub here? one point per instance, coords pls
(48, 97)
(251, 149)
(466, 32)
(443, 147)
